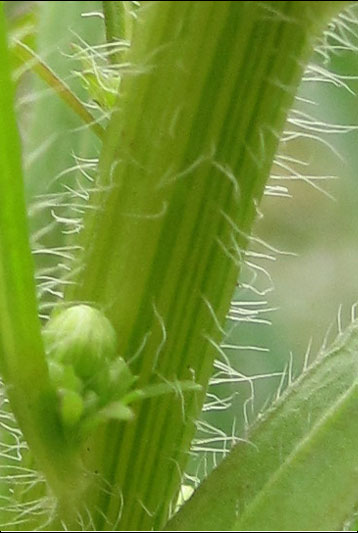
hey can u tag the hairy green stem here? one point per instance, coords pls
(183, 169)
(115, 22)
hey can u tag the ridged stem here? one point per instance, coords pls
(184, 165)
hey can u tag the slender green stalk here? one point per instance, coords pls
(22, 358)
(116, 22)
(183, 169)
(26, 55)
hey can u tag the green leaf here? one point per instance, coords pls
(101, 87)
(298, 470)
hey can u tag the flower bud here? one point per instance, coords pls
(82, 337)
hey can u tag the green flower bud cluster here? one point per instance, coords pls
(89, 377)
(93, 383)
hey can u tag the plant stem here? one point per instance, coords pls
(116, 22)
(22, 357)
(184, 166)
(25, 54)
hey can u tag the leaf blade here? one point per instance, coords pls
(298, 470)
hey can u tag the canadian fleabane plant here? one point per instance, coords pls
(113, 302)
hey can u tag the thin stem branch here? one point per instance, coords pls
(35, 63)
(115, 23)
